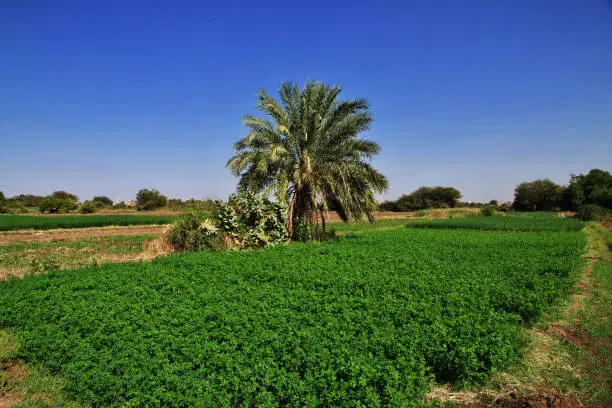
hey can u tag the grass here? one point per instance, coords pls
(16, 222)
(535, 222)
(35, 257)
(364, 320)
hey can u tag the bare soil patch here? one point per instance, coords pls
(12, 237)
(9, 399)
(574, 335)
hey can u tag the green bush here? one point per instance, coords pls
(591, 212)
(88, 207)
(488, 210)
(251, 220)
(193, 232)
(421, 213)
(16, 207)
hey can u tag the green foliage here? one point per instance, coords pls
(421, 213)
(102, 201)
(592, 188)
(150, 199)
(192, 205)
(349, 322)
(15, 222)
(424, 198)
(539, 195)
(192, 231)
(488, 210)
(88, 207)
(251, 220)
(57, 205)
(535, 222)
(309, 154)
(28, 200)
(63, 195)
(3, 207)
(592, 212)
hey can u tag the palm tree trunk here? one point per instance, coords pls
(322, 219)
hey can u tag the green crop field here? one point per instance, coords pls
(534, 222)
(365, 320)
(16, 222)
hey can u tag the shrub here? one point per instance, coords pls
(16, 207)
(250, 220)
(421, 213)
(192, 232)
(88, 207)
(591, 212)
(488, 210)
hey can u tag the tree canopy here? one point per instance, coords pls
(309, 154)
(150, 199)
(424, 197)
(538, 195)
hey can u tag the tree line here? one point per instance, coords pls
(589, 195)
(63, 202)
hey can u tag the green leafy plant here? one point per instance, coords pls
(592, 212)
(488, 210)
(192, 232)
(88, 207)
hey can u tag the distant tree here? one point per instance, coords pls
(150, 199)
(428, 197)
(102, 201)
(538, 195)
(387, 206)
(493, 202)
(88, 207)
(28, 200)
(3, 207)
(175, 203)
(63, 195)
(594, 188)
(57, 205)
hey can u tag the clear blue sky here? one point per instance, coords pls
(110, 96)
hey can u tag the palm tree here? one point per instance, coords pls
(308, 153)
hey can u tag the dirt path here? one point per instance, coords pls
(13, 237)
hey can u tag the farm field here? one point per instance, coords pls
(513, 222)
(23, 257)
(16, 222)
(367, 319)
